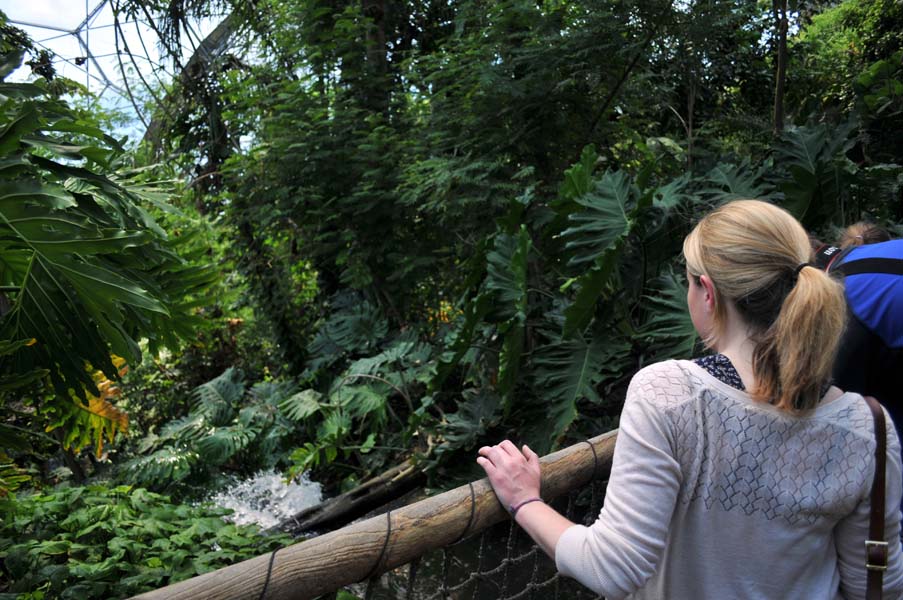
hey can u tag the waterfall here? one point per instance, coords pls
(266, 500)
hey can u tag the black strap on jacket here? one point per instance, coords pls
(876, 545)
(891, 266)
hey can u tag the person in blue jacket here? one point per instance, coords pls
(870, 359)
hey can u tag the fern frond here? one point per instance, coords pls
(272, 392)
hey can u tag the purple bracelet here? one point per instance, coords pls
(513, 508)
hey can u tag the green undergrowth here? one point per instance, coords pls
(101, 542)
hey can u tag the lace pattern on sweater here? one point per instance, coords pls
(737, 457)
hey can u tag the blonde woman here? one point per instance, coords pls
(741, 475)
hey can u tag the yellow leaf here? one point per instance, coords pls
(112, 419)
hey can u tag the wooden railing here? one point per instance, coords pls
(368, 548)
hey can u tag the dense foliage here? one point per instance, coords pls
(100, 542)
(398, 230)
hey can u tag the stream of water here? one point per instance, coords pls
(265, 498)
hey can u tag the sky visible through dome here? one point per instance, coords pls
(110, 61)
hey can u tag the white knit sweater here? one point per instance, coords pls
(713, 495)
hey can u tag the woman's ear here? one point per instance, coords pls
(708, 292)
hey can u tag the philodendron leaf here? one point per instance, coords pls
(603, 220)
(507, 278)
(507, 273)
(565, 371)
(23, 123)
(609, 214)
(301, 405)
(669, 328)
(10, 61)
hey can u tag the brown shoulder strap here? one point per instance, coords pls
(875, 545)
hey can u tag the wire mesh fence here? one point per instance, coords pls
(499, 563)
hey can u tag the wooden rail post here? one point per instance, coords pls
(361, 550)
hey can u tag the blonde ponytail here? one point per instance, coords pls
(793, 358)
(752, 252)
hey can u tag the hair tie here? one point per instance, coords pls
(800, 267)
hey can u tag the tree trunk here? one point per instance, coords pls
(373, 86)
(78, 472)
(780, 16)
(212, 45)
(270, 285)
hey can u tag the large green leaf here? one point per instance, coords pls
(222, 443)
(669, 328)
(357, 327)
(361, 401)
(565, 371)
(67, 150)
(46, 309)
(507, 274)
(672, 195)
(611, 211)
(819, 173)
(726, 182)
(19, 191)
(603, 220)
(22, 123)
(11, 61)
(218, 398)
(478, 411)
(507, 280)
(163, 467)
(461, 338)
(578, 179)
(302, 405)
(104, 287)
(590, 287)
(87, 270)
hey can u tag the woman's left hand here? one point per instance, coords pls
(514, 474)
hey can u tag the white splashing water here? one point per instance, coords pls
(266, 500)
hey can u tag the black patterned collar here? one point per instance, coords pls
(721, 368)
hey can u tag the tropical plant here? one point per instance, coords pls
(228, 426)
(86, 273)
(100, 542)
